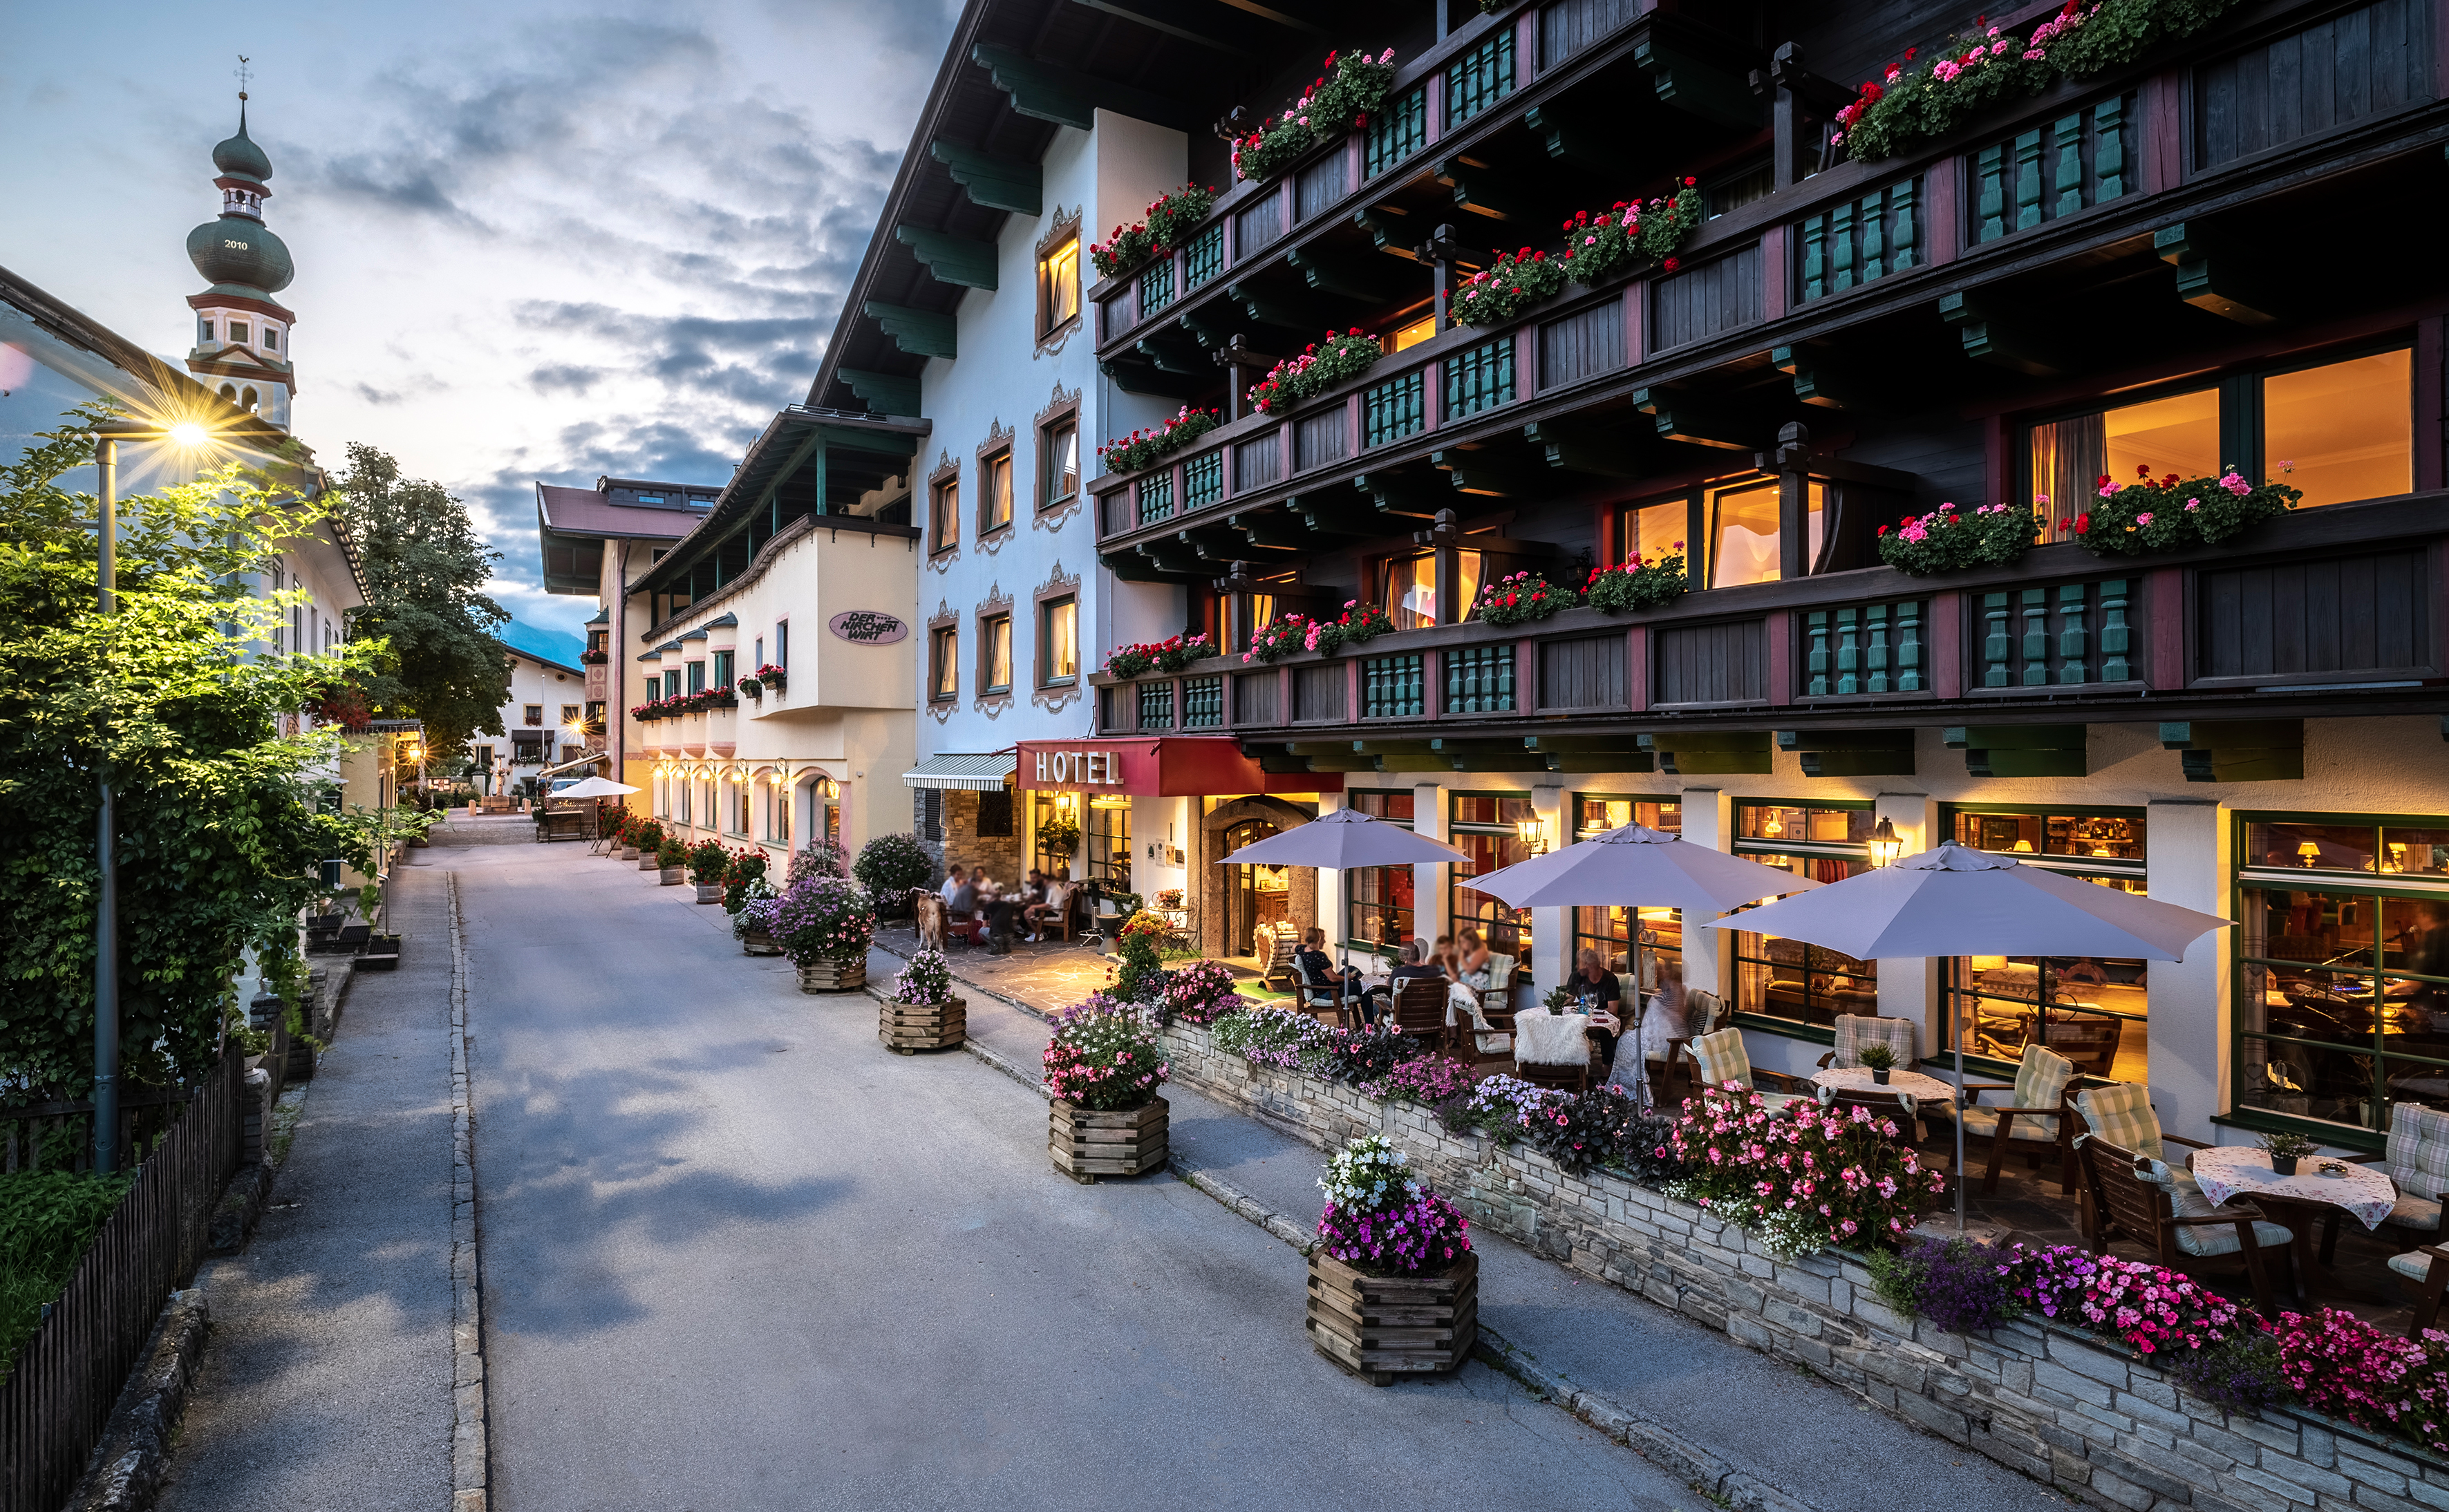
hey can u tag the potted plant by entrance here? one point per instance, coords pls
(1879, 1059)
(1103, 1068)
(709, 864)
(923, 1013)
(1394, 1283)
(753, 926)
(672, 858)
(646, 838)
(2287, 1149)
(825, 925)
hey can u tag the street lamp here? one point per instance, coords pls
(107, 436)
(1532, 832)
(1884, 844)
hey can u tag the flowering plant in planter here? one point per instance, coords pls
(756, 915)
(926, 982)
(1355, 1055)
(1629, 232)
(2336, 1363)
(1157, 233)
(1357, 625)
(1639, 584)
(745, 870)
(1499, 294)
(822, 858)
(648, 835)
(709, 863)
(772, 676)
(751, 686)
(670, 852)
(1962, 76)
(1380, 1221)
(1604, 1126)
(1282, 635)
(1502, 1106)
(1522, 597)
(1339, 100)
(2172, 514)
(1429, 1080)
(1314, 369)
(1171, 654)
(1949, 539)
(593, 658)
(824, 918)
(1270, 1037)
(1139, 972)
(2089, 39)
(1200, 992)
(1102, 1057)
(1143, 448)
(2147, 1307)
(1801, 1178)
(1962, 1286)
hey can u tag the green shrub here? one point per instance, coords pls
(889, 866)
(46, 1219)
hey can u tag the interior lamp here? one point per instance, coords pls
(1884, 844)
(2308, 853)
(1532, 833)
(2023, 847)
(1110, 800)
(1773, 826)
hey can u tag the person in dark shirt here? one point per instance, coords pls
(1318, 971)
(1412, 963)
(1601, 996)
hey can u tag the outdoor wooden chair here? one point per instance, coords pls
(2036, 1126)
(2091, 1044)
(2179, 1224)
(1558, 1078)
(1419, 1010)
(1720, 1058)
(2417, 1273)
(1703, 1012)
(1855, 1030)
(1277, 946)
(2417, 1159)
(1466, 1046)
(1327, 1001)
(1061, 897)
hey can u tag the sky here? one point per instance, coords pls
(533, 242)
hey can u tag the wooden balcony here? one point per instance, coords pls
(2328, 612)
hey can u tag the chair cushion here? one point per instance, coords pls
(2041, 1081)
(1980, 1123)
(2418, 1155)
(2413, 1213)
(1855, 1030)
(2190, 1201)
(1723, 1059)
(2121, 1114)
(2414, 1265)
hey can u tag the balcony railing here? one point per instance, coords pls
(2337, 595)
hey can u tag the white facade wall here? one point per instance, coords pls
(1003, 382)
(550, 686)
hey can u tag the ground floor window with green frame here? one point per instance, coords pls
(1610, 931)
(1788, 984)
(1377, 900)
(2094, 1011)
(2341, 974)
(1108, 842)
(1485, 828)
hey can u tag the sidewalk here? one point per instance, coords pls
(1820, 1446)
(327, 1383)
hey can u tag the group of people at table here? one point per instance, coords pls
(980, 907)
(1468, 967)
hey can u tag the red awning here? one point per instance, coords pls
(1160, 766)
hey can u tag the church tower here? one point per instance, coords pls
(243, 334)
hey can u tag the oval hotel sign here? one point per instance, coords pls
(867, 627)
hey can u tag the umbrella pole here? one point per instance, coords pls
(1956, 1039)
(1640, 1015)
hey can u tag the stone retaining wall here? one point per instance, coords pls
(2088, 1417)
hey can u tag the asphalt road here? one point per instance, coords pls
(737, 1255)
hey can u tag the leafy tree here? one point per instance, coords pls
(426, 569)
(216, 835)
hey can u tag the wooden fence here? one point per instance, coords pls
(57, 1399)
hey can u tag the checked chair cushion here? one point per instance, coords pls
(2417, 1161)
(2040, 1081)
(1855, 1030)
(1723, 1059)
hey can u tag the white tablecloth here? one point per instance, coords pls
(2240, 1170)
(1552, 1039)
(1926, 1091)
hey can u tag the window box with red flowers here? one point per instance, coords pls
(2145, 517)
(1949, 539)
(1637, 584)
(1316, 367)
(1340, 100)
(1169, 655)
(593, 658)
(1170, 218)
(1521, 597)
(1628, 232)
(1145, 449)
(1499, 294)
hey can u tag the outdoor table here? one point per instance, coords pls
(2243, 1171)
(1929, 1095)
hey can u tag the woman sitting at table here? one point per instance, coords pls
(1666, 1019)
(1319, 972)
(1601, 996)
(1473, 959)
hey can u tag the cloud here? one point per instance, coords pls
(568, 375)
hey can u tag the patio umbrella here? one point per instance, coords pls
(596, 787)
(1340, 841)
(1635, 867)
(1956, 901)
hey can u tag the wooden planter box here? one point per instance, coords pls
(674, 877)
(834, 976)
(1088, 1146)
(648, 863)
(1380, 1326)
(910, 1027)
(629, 853)
(758, 942)
(708, 894)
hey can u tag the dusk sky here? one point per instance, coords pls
(532, 242)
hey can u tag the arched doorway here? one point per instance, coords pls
(1253, 895)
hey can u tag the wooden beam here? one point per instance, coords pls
(1220, 35)
(2237, 750)
(993, 182)
(1680, 417)
(1137, 375)
(1389, 230)
(1580, 448)
(919, 333)
(949, 259)
(1399, 496)
(1049, 91)
(2000, 343)
(2214, 274)
(1703, 89)
(1328, 274)
(1569, 139)
(1484, 191)
(881, 392)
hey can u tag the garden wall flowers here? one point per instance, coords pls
(1801, 1177)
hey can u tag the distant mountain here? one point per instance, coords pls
(552, 645)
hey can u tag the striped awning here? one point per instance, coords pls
(983, 773)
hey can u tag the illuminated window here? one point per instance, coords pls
(1377, 900)
(1058, 285)
(1060, 639)
(1610, 931)
(2347, 428)
(947, 521)
(1408, 588)
(1744, 535)
(1653, 530)
(2177, 434)
(995, 511)
(1061, 466)
(1417, 331)
(943, 662)
(995, 666)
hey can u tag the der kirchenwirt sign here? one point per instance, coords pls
(867, 627)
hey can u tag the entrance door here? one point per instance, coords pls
(1250, 900)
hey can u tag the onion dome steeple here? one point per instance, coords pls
(243, 348)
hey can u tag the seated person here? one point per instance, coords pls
(1412, 965)
(1049, 909)
(964, 907)
(1601, 995)
(952, 880)
(1317, 971)
(1475, 966)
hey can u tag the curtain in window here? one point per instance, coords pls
(2068, 459)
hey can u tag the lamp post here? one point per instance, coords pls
(106, 437)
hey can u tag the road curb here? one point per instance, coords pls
(126, 1470)
(999, 1062)
(470, 1461)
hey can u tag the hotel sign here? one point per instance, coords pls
(1159, 767)
(867, 627)
(1064, 767)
